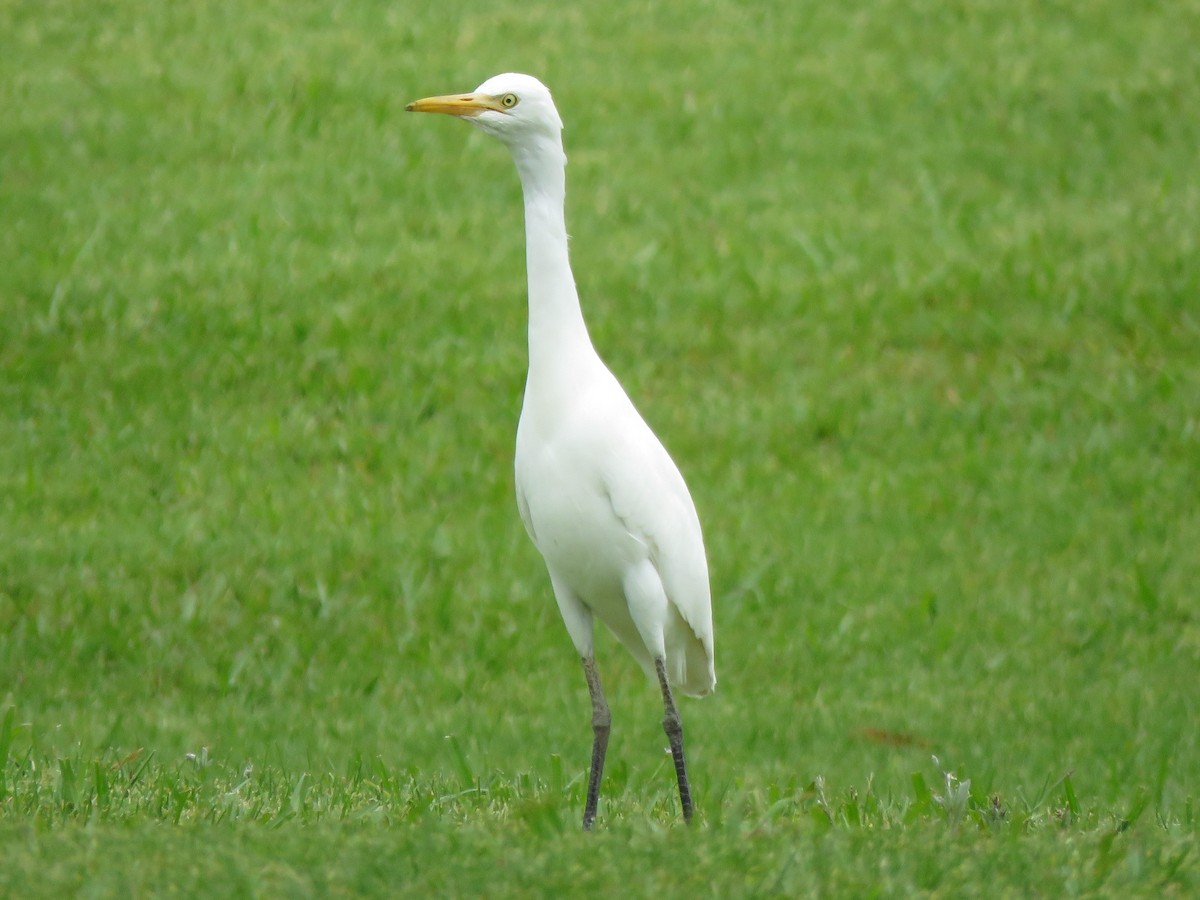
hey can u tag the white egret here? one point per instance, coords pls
(598, 493)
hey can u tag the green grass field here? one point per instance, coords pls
(910, 290)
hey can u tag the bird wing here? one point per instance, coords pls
(649, 496)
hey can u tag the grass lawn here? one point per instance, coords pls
(910, 290)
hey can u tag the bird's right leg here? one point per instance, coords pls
(673, 726)
(601, 720)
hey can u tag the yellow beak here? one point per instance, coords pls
(456, 104)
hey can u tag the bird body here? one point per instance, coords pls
(612, 517)
(598, 493)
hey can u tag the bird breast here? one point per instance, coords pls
(568, 455)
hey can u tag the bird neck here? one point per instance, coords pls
(558, 338)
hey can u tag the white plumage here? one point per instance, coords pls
(598, 493)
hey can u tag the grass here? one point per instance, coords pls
(908, 289)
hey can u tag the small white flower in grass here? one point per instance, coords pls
(200, 760)
(957, 797)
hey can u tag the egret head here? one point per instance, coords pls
(515, 108)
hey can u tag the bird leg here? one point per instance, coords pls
(601, 721)
(673, 726)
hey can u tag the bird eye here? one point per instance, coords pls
(508, 101)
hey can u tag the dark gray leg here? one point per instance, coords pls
(601, 720)
(673, 726)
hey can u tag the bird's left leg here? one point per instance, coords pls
(578, 619)
(673, 726)
(601, 723)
